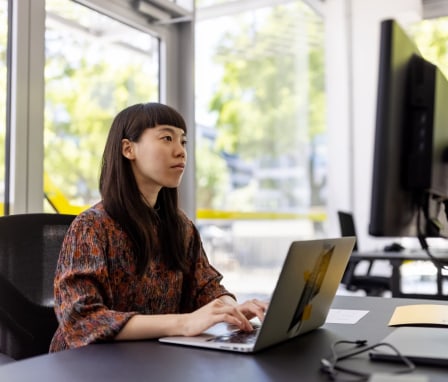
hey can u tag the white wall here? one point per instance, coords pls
(352, 46)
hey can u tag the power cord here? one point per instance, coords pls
(333, 368)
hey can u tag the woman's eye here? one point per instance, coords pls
(184, 143)
(167, 138)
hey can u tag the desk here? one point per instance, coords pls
(396, 259)
(295, 360)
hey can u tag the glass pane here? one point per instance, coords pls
(431, 38)
(185, 4)
(95, 66)
(210, 3)
(261, 138)
(3, 93)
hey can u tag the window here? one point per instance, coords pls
(261, 136)
(431, 36)
(95, 66)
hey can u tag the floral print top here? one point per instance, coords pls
(97, 289)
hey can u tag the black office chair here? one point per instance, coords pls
(372, 285)
(29, 249)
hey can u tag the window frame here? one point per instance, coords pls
(24, 184)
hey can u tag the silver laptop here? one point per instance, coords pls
(308, 282)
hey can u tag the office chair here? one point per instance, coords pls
(29, 249)
(372, 285)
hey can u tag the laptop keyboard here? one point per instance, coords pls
(239, 337)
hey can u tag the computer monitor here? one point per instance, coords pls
(410, 166)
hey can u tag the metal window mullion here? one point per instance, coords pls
(27, 105)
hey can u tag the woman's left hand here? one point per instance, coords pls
(250, 308)
(254, 308)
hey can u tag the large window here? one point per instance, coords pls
(74, 65)
(95, 66)
(3, 94)
(261, 136)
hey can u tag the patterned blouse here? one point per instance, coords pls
(97, 289)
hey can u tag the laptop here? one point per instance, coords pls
(421, 344)
(308, 281)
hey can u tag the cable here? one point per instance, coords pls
(332, 367)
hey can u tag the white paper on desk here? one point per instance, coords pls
(345, 316)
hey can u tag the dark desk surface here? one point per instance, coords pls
(296, 360)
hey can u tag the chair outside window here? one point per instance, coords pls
(29, 249)
(372, 285)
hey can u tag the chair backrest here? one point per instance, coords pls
(347, 226)
(29, 249)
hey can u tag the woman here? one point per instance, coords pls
(132, 266)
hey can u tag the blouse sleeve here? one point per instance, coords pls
(204, 283)
(82, 289)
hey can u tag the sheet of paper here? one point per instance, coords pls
(421, 314)
(345, 316)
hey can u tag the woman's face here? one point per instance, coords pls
(158, 158)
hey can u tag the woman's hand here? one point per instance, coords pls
(253, 308)
(224, 309)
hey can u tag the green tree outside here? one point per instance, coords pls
(87, 81)
(270, 103)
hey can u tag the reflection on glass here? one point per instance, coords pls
(3, 92)
(261, 147)
(95, 66)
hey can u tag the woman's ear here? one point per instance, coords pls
(127, 149)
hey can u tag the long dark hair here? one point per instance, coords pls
(155, 231)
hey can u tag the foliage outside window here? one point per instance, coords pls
(265, 123)
(261, 129)
(95, 66)
(431, 37)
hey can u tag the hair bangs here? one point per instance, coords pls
(159, 114)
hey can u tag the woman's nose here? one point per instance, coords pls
(181, 150)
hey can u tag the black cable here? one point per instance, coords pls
(332, 367)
